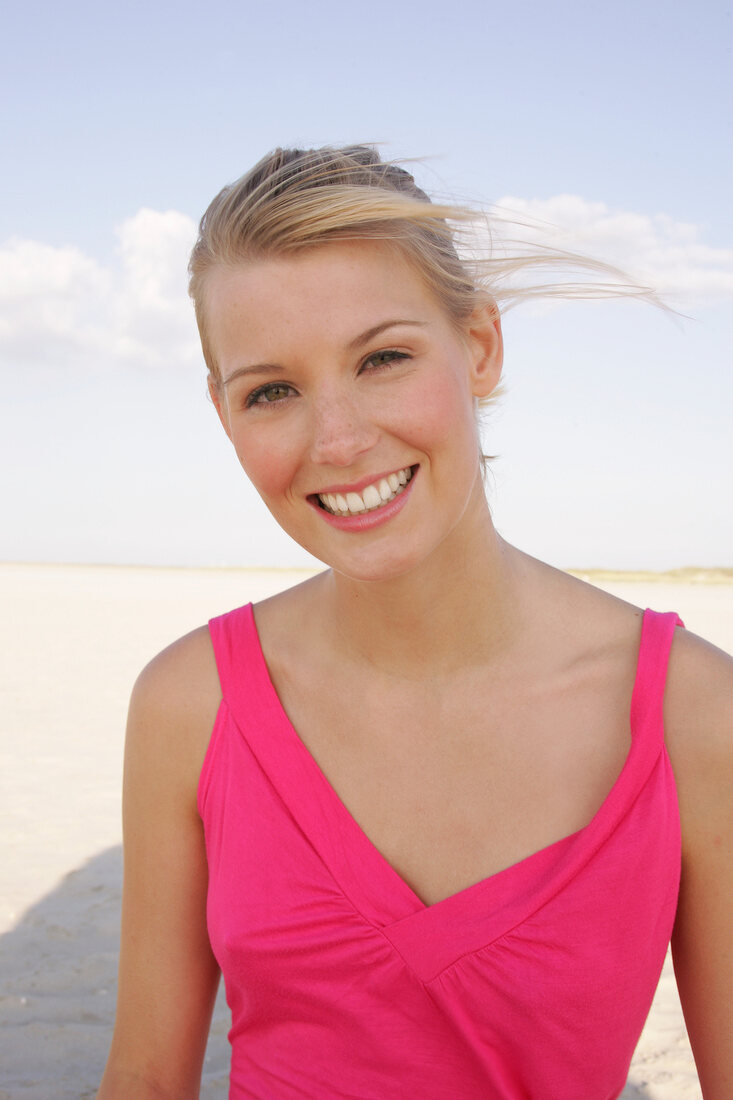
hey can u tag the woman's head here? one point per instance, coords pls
(340, 374)
(298, 199)
(348, 341)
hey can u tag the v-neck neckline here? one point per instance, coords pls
(364, 874)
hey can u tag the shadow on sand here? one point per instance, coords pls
(58, 983)
(59, 978)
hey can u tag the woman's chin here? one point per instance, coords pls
(375, 568)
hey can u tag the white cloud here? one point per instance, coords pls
(668, 255)
(59, 307)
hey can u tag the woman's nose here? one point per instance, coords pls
(341, 430)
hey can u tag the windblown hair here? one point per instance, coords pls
(295, 199)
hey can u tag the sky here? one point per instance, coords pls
(611, 123)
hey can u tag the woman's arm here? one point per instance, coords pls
(699, 722)
(167, 975)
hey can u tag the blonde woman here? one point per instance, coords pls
(436, 813)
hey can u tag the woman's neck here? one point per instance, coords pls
(459, 608)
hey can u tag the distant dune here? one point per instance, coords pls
(688, 574)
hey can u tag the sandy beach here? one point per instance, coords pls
(72, 639)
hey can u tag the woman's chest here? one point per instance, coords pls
(452, 786)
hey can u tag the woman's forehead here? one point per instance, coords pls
(341, 288)
(382, 264)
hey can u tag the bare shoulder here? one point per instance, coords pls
(698, 713)
(174, 704)
(698, 709)
(182, 677)
(700, 676)
(699, 732)
(591, 619)
(167, 973)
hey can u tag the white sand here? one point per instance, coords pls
(72, 639)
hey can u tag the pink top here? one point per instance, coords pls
(534, 983)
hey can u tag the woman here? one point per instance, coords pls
(461, 874)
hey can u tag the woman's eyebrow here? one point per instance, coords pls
(375, 330)
(256, 368)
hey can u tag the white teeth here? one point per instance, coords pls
(371, 497)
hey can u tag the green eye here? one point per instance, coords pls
(384, 358)
(269, 394)
(275, 393)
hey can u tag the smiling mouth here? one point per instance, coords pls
(370, 498)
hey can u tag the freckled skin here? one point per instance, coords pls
(338, 416)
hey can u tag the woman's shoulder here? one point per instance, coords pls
(174, 704)
(698, 715)
(182, 678)
(698, 698)
(571, 612)
(699, 689)
(699, 734)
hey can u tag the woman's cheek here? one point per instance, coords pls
(268, 460)
(443, 409)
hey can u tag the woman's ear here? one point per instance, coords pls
(486, 347)
(219, 400)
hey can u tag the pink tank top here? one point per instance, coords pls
(534, 983)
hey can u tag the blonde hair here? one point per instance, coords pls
(295, 199)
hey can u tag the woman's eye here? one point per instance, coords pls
(269, 394)
(384, 358)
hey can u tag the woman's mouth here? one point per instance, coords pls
(370, 498)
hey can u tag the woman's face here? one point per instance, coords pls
(349, 398)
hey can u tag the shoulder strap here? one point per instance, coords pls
(232, 636)
(647, 704)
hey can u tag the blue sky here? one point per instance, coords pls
(119, 124)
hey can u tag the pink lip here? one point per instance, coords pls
(365, 521)
(357, 486)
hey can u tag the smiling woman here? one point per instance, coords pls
(356, 376)
(436, 813)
